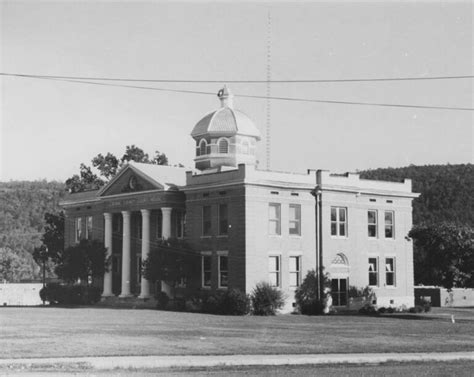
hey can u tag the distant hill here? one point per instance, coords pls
(22, 208)
(447, 191)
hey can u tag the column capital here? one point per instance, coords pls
(145, 212)
(108, 215)
(126, 213)
(166, 209)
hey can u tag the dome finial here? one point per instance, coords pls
(226, 97)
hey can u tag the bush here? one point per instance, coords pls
(368, 309)
(162, 300)
(233, 302)
(306, 295)
(266, 300)
(56, 293)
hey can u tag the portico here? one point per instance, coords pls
(145, 239)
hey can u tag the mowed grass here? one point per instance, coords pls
(66, 332)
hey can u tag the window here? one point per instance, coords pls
(245, 147)
(202, 147)
(373, 272)
(180, 224)
(295, 219)
(78, 229)
(390, 272)
(389, 222)
(223, 271)
(116, 263)
(206, 271)
(223, 146)
(139, 229)
(295, 271)
(223, 220)
(159, 225)
(139, 270)
(274, 219)
(338, 221)
(89, 227)
(274, 270)
(339, 292)
(206, 220)
(117, 222)
(372, 223)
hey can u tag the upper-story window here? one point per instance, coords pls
(295, 219)
(245, 147)
(389, 224)
(339, 221)
(202, 147)
(180, 220)
(223, 146)
(206, 220)
(223, 220)
(274, 219)
(78, 230)
(89, 227)
(372, 223)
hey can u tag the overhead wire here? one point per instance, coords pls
(291, 99)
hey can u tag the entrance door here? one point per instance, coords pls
(339, 292)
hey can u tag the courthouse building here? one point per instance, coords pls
(248, 225)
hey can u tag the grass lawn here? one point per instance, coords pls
(58, 332)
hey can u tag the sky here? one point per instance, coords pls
(48, 128)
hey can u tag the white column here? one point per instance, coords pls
(166, 224)
(145, 284)
(108, 245)
(126, 255)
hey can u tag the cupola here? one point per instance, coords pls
(225, 137)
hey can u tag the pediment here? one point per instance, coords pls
(130, 179)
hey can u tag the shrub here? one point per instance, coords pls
(162, 300)
(233, 302)
(209, 303)
(56, 293)
(266, 300)
(306, 295)
(368, 309)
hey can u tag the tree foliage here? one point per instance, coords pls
(171, 261)
(22, 218)
(445, 254)
(108, 166)
(306, 294)
(86, 260)
(446, 191)
(16, 267)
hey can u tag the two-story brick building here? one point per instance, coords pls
(248, 225)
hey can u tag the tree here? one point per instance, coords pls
(85, 261)
(172, 261)
(108, 167)
(444, 254)
(307, 295)
(15, 267)
(86, 180)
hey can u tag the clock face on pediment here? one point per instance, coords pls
(130, 181)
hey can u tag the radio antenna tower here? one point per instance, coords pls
(269, 78)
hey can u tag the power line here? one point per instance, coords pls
(376, 79)
(291, 99)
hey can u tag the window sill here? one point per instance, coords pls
(339, 237)
(222, 288)
(223, 236)
(205, 236)
(295, 235)
(206, 288)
